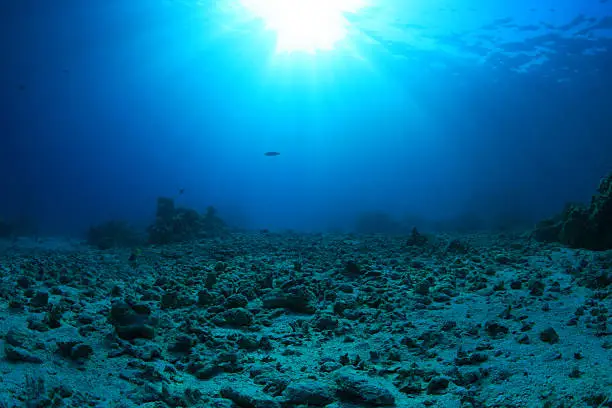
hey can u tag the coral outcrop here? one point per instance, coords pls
(174, 224)
(580, 226)
(416, 238)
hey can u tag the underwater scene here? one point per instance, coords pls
(306, 203)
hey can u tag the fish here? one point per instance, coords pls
(181, 191)
(270, 154)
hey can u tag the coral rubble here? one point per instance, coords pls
(308, 320)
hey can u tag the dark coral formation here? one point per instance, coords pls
(377, 223)
(579, 226)
(212, 225)
(113, 234)
(174, 224)
(6, 229)
(18, 226)
(416, 238)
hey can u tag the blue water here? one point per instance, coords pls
(429, 109)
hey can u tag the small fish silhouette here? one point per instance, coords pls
(181, 191)
(270, 154)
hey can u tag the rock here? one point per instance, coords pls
(536, 287)
(351, 268)
(422, 288)
(81, 351)
(17, 337)
(18, 342)
(249, 396)
(169, 300)
(309, 393)
(358, 388)
(183, 343)
(438, 385)
(237, 317)
(74, 349)
(205, 298)
(248, 342)
(496, 330)
(131, 321)
(20, 355)
(549, 335)
(325, 322)
(24, 282)
(40, 299)
(175, 300)
(296, 299)
(236, 301)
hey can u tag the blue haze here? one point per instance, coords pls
(451, 108)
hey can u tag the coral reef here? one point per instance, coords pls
(174, 224)
(580, 226)
(113, 234)
(171, 225)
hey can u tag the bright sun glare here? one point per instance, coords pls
(305, 25)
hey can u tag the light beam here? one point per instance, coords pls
(305, 25)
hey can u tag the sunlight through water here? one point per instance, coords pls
(305, 25)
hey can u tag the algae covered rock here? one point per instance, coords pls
(580, 226)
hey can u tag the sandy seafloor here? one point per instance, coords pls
(321, 320)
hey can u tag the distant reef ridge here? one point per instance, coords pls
(172, 225)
